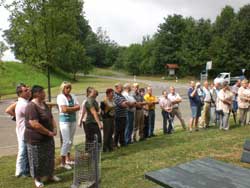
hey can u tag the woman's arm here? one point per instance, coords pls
(54, 127)
(68, 109)
(95, 114)
(81, 114)
(11, 109)
(41, 129)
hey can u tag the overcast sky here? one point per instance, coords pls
(127, 21)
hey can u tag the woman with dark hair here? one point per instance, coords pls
(93, 123)
(39, 135)
(108, 116)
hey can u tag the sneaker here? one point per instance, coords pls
(66, 166)
(38, 183)
(70, 162)
(55, 179)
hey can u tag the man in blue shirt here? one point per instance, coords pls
(195, 104)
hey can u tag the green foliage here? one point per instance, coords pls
(101, 50)
(190, 43)
(3, 48)
(49, 33)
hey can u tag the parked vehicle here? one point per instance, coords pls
(226, 77)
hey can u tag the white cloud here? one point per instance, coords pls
(127, 21)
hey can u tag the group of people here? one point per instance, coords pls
(213, 104)
(35, 129)
(126, 114)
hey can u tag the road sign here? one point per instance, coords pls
(209, 65)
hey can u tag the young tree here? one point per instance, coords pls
(3, 48)
(45, 33)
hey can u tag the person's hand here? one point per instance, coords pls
(197, 85)
(51, 133)
(55, 131)
(100, 125)
(80, 125)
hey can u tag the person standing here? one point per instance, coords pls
(22, 162)
(176, 99)
(243, 102)
(195, 104)
(235, 90)
(120, 115)
(108, 116)
(39, 135)
(68, 106)
(217, 88)
(130, 113)
(225, 98)
(205, 117)
(166, 107)
(93, 121)
(139, 114)
(82, 113)
(151, 101)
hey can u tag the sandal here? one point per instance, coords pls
(39, 184)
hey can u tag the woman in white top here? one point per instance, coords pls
(68, 106)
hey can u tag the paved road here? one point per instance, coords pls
(8, 142)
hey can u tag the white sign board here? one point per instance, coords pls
(209, 65)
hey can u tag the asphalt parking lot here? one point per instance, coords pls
(8, 141)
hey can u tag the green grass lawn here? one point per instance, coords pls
(125, 167)
(15, 73)
(107, 72)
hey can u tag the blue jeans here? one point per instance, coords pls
(129, 127)
(151, 122)
(22, 161)
(167, 119)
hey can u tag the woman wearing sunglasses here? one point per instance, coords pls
(68, 106)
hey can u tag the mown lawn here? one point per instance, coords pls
(125, 168)
(15, 73)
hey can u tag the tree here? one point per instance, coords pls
(169, 42)
(3, 48)
(133, 59)
(46, 33)
(219, 47)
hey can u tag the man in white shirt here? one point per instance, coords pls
(130, 113)
(205, 117)
(22, 162)
(166, 106)
(176, 100)
(243, 102)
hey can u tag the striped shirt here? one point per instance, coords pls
(119, 110)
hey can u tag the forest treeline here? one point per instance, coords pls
(56, 33)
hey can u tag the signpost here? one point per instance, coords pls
(204, 75)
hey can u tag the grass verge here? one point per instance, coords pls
(125, 167)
